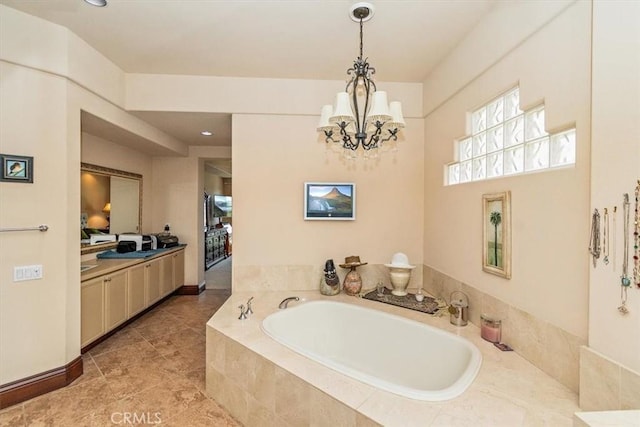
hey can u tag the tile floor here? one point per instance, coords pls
(151, 372)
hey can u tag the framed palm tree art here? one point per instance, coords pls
(496, 234)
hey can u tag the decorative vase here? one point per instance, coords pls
(352, 282)
(329, 282)
(400, 273)
(399, 280)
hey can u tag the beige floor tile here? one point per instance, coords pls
(205, 413)
(126, 356)
(167, 402)
(89, 371)
(67, 406)
(159, 328)
(120, 339)
(12, 417)
(156, 364)
(179, 340)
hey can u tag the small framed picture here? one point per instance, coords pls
(16, 168)
(329, 201)
(496, 233)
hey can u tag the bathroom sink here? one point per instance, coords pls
(87, 267)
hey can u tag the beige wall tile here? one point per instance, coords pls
(238, 363)
(303, 277)
(292, 398)
(362, 421)
(629, 389)
(235, 400)
(525, 334)
(326, 411)
(475, 303)
(561, 356)
(599, 382)
(215, 354)
(262, 383)
(259, 416)
(214, 384)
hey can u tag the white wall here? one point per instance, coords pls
(268, 179)
(549, 209)
(178, 184)
(615, 170)
(43, 68)
(33, 323)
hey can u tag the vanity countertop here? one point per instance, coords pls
(106, 266)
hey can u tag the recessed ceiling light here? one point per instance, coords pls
(206, 133)
(99, 3)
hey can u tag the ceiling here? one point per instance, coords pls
(292, 39)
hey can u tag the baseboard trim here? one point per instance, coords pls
(191, 289)
(38, 384)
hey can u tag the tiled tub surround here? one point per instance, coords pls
(546, 346)
(262, 278)
(605, 385)
(554, 350)
(261, 382)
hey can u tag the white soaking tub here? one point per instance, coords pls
(389, 352)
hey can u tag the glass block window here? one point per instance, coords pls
(506, 141)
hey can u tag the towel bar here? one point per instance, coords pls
(42, 227)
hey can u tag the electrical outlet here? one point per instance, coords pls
(27, 272)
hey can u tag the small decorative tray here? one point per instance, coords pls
(427, 305)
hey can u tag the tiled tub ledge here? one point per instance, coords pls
(261, 382)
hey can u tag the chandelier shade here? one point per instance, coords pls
(362, 116)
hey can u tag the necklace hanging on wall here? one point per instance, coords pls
(605, 237)
(613, 238)
(594, 243)
(636, 240)
(625, 281)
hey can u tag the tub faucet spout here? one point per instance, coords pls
(285, 302)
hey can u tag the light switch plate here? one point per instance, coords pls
(27, 272)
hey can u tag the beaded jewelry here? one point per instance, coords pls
(636, 241)
(625, 281)
(605, 237)
(594, 244)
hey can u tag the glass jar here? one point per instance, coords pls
(490, 329)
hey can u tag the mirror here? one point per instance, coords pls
(110, 203)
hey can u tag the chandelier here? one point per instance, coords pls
(362, 117)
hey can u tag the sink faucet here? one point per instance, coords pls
(243, 314)
(285, 302)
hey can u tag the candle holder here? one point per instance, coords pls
(490, 329)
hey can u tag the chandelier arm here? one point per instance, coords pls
(375, 137)
(393, 134)
(329, 136)
(346, 138)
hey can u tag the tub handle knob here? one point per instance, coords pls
(285, 302)
(243, 314)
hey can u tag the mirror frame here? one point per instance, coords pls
(102, 170)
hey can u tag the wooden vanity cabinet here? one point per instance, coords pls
(136, 290)
(152, 281)
(178, 269)
(166, 275)
(109, 300)
(115, 299)
(92, 310)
